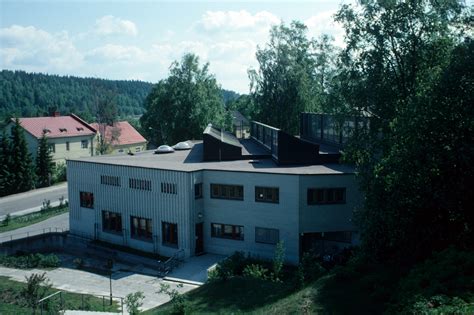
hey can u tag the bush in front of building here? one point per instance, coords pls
(27, 261)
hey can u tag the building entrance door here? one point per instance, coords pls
(199, 239)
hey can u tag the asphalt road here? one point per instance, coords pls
(58, 223)
(31, 199)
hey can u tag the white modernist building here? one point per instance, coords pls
(216, 199)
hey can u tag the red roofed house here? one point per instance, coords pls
(68, 136)
(122, 137)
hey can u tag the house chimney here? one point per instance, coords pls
(56, 114)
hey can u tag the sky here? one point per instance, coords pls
(139, 40)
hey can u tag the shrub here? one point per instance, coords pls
(60, 173)
(278, 260)
(446, 279)
(255, 271)
(179, 301)
(134, 301)
(7, 219)
(27, 261)
(309, 269)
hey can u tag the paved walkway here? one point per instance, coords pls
(123, 283)
(31, 201)
(56, 223)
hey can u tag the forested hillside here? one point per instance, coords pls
(34, 94)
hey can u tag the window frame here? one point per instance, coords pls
(326, 195)
(240, 236)
(169, 233)
(227, 192)
(106, 225)
(83, 201)
(84, 144)
(275, 198)
(267, 229)
(136, 232)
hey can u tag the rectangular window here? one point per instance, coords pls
(141, 184)
(233, 232)
(170, 234)
(267, 236)
(67, 146)
(84, 144)
(138, 149)
(111, 222)
(323, 196)
(141, 228)
(110, 180)
(87, 199)
(52, 147)
(267, 194)
(168, 188)
(234, 192)
(198, 191)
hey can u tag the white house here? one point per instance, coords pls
(219, 197)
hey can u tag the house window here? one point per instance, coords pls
(67, 146)
(138, 149)
(52, 147)
(120, 151)
(84, 144)
(266, 236)
(198, 191)
(168, 188)
(87, 199)
(141, 184)
(267, 194)
(170, 234)
(141, 228)
(323, 196)
(110, 180)
(234, 192)
(233, 232)
(111, 222)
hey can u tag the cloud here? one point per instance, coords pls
(323, 23)
(34, 49)
(224, 21)
(112, 53)
(110, 25)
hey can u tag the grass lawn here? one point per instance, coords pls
(11, 301)
(32, 218)
(252, 296)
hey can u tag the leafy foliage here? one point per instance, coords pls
(37, 286)
(406, 66)
(292, 75)
(179, 107)
(28, 261)
(134, 301)
(44, 163)
(23, 176)
(178, 300)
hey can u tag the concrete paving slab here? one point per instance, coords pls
(123, 283)
(194, 270)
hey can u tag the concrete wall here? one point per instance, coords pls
(250, 214)
(329, 217)
(61, 154)
(154, 204)
(291, 216)
(124, 149)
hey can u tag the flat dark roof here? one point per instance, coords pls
(191, 161)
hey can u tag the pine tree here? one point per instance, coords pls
(44, 163)
(22, 169)
(5, 164)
